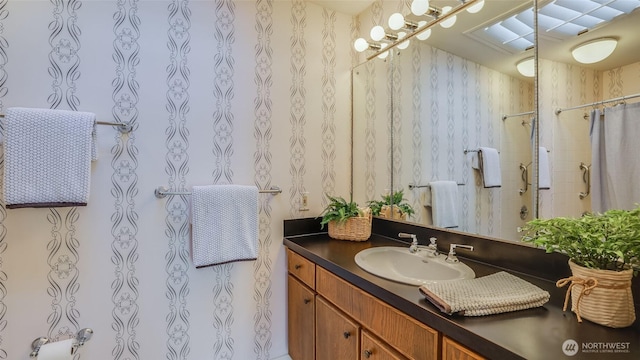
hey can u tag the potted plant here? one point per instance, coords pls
(401, 208)
(346, 220)
(604, 255)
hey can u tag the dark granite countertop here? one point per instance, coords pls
(528, 334)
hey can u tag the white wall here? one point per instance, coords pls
(220, 92)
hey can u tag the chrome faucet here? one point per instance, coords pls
(451, 257)
(433, 247)
(414, 241)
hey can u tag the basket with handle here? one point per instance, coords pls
(601, 296)
(353, 229)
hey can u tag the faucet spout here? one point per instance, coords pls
(413, 248)
(451, 257)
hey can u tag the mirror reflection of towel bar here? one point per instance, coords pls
(162, 192)
(475, 151)
(412, 186)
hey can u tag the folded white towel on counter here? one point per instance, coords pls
(489, 159)
(544, 173)
(444, 198)
(492, 294)
(224, 224)
(48, 156)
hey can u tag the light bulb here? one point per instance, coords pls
(396, 21)
(361, 45)
(476, 7)
(419, 7)
(377, 33)
(384, 54)
(449, 22)
(403, 45)
(424, 35)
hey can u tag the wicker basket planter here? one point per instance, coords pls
(386, 212)
(601, 296)
(353, 229)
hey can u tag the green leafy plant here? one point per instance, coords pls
(339, 210)
(397, 199)
(607, 241)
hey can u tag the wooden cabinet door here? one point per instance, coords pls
(337, 336)
(301, 324)
(375, 349)
(451, 350)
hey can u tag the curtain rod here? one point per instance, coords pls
(621, 98)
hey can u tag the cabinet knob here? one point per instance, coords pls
(306, 301)
(297, 266)
(346, 334)
(367, 353)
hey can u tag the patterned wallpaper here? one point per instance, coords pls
(217, 92)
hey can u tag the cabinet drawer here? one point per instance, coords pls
(408, 336)
(451, 350)
(301, 268)
(374, 349)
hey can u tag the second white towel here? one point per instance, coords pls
(224, 224)
(444, 196)
(544, 175)
(490, 167)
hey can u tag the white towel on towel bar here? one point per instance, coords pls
(544, 173)
(47, 156)
(490, 167)
(224, 224)
(444, 197)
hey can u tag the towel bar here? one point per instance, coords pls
(82, 337)
(413, 186)
(123, 127)
(162, 192)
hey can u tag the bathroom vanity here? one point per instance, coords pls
(339, 311)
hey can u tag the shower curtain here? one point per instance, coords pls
(615, 164)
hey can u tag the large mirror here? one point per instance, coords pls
(418, 109)
(571, 90)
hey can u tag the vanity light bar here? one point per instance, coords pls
(423, 28)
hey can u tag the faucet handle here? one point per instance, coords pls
(451, 257)
(414, 241)
(413, 237)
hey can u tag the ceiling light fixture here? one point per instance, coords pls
(400, 30)
(594, 51)
(526, 67)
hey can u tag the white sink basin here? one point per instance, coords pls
(398, 264)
